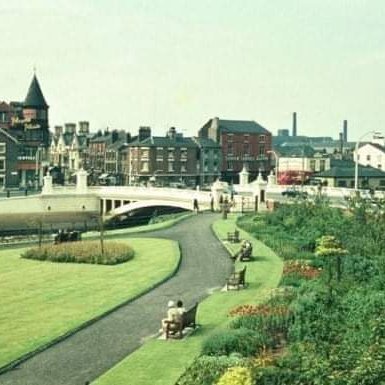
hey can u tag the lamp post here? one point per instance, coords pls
(37, 168)
(276, 162)
(356, 157)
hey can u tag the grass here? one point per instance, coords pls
(160, 362)
(169, 220)
(43, 300)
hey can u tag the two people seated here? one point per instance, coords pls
(174, 313)
(245, 253)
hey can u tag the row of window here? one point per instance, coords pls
(246, 149)
(246, 138)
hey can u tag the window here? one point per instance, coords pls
(170, 166)
(262, 138)
(2, 181)
(171, 153)
(312, 164)
(230, 165)
(322, 165)
(230, 137)
(2, 148)
(2, 164)
(144, 153)
(183, 167)
(246, 137)
(368, 158)
(144, 167)
(246, 148)
(382, 182)
(229, 148)
(341, 183)
(261, 150)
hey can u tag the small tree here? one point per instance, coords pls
(329, 246)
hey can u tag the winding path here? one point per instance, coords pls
(92, 351)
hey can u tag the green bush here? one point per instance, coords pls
(82, 252)
(206, 370)
(236, 376)
(243, 341)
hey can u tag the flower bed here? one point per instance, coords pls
(82, 252)
(301, 269)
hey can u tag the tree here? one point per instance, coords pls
(329, 246)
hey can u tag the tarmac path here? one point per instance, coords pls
(90, 352)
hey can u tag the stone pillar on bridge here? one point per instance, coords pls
(244, 177)
(217, 190)
(47, 185)
(81, 182)
(259, 190)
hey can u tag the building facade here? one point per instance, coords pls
(243, 143)
(9, 148)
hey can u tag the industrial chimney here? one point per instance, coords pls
(345, 131)
(294, 124)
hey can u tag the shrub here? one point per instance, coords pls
(243, 341)
(205, 370)
(236, 376)
(82, 252)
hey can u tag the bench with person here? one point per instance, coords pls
(233, 237)
(174, 328)
(237, 279)
(245, 253)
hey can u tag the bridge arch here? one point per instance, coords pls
(148, 203)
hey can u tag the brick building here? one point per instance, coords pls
(243, 142)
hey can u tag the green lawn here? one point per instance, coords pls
(43, 300)
(160, 362)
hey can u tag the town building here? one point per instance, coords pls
(243, 143)
(297, 164)
(104, 156)
(344, 176)
(68, 151)
(170, 160)
(9, 148)
(373, 153)
(209, 161)
(29, 126)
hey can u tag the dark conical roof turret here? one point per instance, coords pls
(35, 98)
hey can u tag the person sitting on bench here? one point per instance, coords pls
(245, 252)
(174, 313)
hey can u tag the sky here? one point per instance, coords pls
(128, 63)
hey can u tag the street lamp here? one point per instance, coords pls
(356, 157)
(276, 162)
(37, 168)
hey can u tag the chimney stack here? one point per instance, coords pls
(84, 127)
(58, 130)
(70, 128)
(341, 143)
(144, 133)
(294, 124)
(345, 131)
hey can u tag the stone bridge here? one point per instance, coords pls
(85, 203)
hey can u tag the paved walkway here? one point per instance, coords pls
(92, 351)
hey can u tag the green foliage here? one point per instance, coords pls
(328, 245)
(82, 252)
(205, 370)
(243, 341)
(236, 376)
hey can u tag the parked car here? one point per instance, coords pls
(292, 192)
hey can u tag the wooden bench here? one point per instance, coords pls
(233, 237)
(237, 279)
(175, 328)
